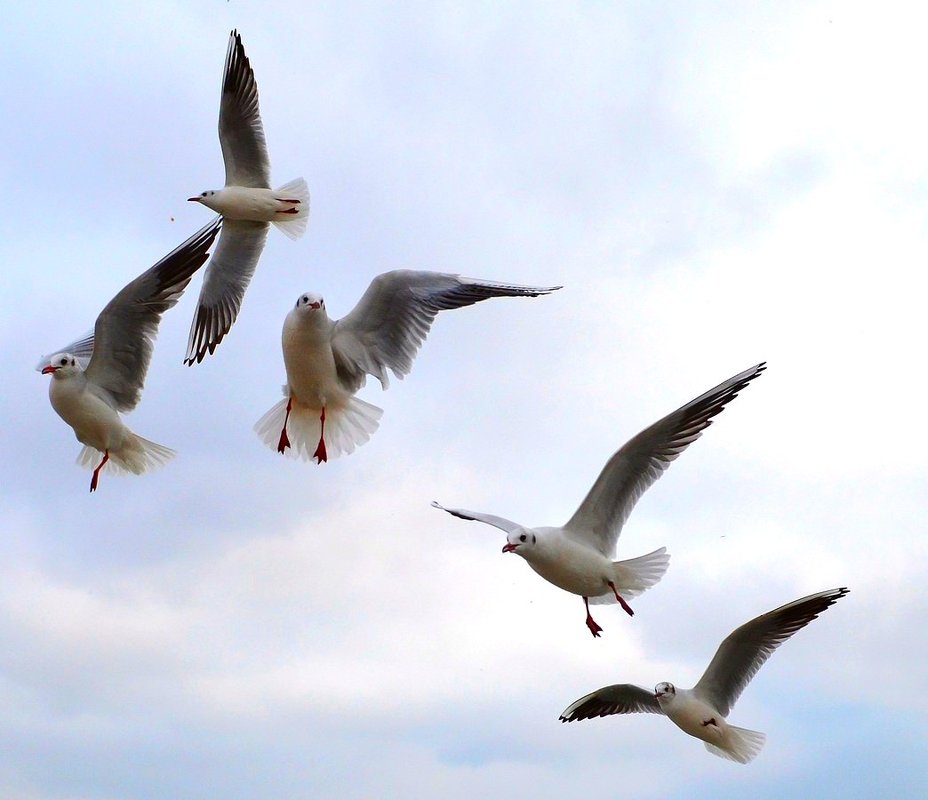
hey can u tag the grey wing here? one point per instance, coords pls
(642, 460)
(477, 516)
(392, 319)
(227, 276)
(241, 134)
(745, 649)
(126, 328)
(620, 698)
(82, 350)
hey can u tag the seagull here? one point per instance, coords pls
(328, 361)
(577, 556)
(247, 204)
(701, 711)
(96, 377)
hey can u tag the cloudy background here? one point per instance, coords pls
(715, 184)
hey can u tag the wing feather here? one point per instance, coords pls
(227, 277)
(620, 698)
(390, 322)
(124, 332)
(642, 460)
(745, 649)
(241, 134)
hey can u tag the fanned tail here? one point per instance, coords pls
(635, 575)
(741, 744)
(137, 455)
(293, 221)
(346, 427)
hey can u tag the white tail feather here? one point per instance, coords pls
(741, 744)
(635, 575)
(345, 428)
(137, 455)
(295, 224)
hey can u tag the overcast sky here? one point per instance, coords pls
(714, 184)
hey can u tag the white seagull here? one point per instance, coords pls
(701, 711)
(247, 203)
(577, 556)
(96, 377)
(327, 361)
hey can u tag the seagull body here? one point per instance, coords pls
(702, 710)
(101, 375)
(577, 556)
(328, 361)
(247, 203)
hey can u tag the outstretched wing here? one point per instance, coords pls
(476, 516)
(642, 460)
(745, 649)
(224, 284)
(392, 319)
(124, 333)
(620, 698)
(241, 134)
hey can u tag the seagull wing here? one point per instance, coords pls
(227, 276)
(392, 319)
(745, 649)
(241, 134)
(620, 698)
(125, 330)
(642, 460)
(476, 516)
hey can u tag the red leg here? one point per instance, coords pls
(626, 606)
(284, 442)
(590, 622)
(96, 472)
(320, 454)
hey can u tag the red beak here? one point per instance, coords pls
(315, 305)
(49, 368)
(509, 547)
(194, 199)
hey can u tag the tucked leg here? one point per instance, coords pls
(590, 622)
(320, 454)
(96, 472)
(284, 442)
(621, 600)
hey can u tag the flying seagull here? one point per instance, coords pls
(95, 378)
(327, 361)
(577, 556)
(247, 203)
(701, 711)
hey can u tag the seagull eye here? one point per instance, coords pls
(64, 362)
(203, 195)
(522, 538)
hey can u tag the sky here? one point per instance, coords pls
(715, 184)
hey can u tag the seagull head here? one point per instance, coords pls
(311, 302)
(520, 542)
(665, 692)
(206, 198)
(61, 365)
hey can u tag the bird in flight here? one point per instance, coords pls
(577, 556)
(702, 710)
(247, 203)
(101, 375)
(328, 361)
